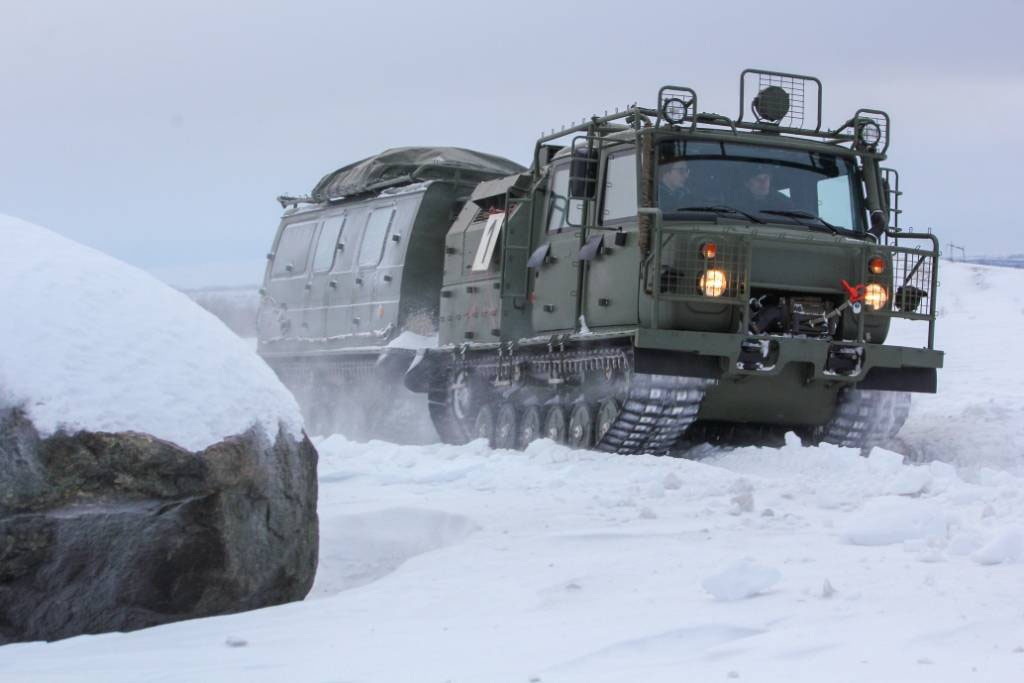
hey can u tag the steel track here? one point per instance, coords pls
(656, 412)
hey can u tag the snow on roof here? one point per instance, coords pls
(88, 342)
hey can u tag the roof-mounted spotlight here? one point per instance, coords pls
(771, 104)
(868, 132)
(674, 109)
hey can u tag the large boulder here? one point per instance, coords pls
(152, 468)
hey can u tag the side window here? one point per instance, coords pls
(562, 210)
(619, 187)
(293, 250)
(327, 246)
(834, 201)
(372, 248)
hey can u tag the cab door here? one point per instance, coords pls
(319, 284)
(612, 265)
(368, 276)
(287, 279)
(554, 262)
(341, 278)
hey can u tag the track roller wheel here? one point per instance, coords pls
(464, 396)
(581, 427)
(529, 427)
(555, 424)
(505, 426)
(607, 411)
(483, 427)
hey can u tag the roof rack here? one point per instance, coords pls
(779, 103)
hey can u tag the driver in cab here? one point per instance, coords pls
(674, 191)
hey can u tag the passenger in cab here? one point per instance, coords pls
(759, 194)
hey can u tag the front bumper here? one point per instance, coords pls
(719, 355)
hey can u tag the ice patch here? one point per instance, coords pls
(744, 579)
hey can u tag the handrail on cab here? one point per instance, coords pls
(934, 254)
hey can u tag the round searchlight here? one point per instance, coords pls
(771, 104)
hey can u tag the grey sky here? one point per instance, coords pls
(161, 132)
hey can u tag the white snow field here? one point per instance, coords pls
(89, 342)
(443, 563)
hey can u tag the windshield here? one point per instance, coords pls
(773, 184)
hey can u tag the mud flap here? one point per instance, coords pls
(422, 371)
(916, 380)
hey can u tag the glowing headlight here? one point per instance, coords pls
(875, 296)
(713, 283)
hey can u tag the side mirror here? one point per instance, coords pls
(583, 174)
(879, 223)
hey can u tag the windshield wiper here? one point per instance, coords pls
(718, 208)
(803, 214)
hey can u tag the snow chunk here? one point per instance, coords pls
(743, 497)
(888, 520)
(885, 462)
(744, 579)
(964, 543)
(910, 481)
(88, 342)
(1006, 547)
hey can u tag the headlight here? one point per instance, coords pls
(875, 296)
(713, 283)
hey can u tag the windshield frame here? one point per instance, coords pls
(847, 159)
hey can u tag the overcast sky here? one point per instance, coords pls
(161, 132)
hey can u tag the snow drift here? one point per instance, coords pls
(152, 468)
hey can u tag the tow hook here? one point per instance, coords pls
(844, 360)
(757, 354)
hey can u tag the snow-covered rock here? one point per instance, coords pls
(88, 342)
(152, 468)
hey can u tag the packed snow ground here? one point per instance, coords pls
(89, 342)
(463, 564)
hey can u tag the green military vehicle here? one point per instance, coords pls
(664, 276)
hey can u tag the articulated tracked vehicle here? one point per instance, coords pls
(658, 277)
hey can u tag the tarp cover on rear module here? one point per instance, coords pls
(412, 164)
